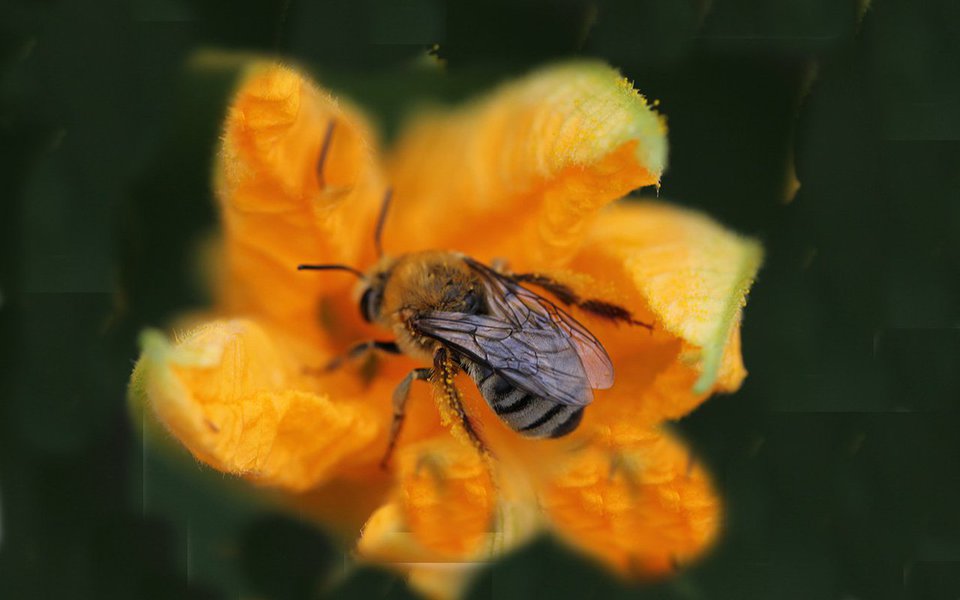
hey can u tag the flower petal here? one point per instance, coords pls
(648, 391)
(386, 539)
(690, 273)
(450, 511)
(642, 508)
(439, 520)
(447, 496)
(526, 167)
(279, 209)
(224, 391)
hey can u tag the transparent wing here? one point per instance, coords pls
(539, 361)
(527, 309)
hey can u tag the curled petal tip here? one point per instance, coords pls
(225, 391)
(692, 274)
(544, 152)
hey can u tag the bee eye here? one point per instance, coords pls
(364, 303)
(369, 305)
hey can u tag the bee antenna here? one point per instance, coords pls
(349, 269)
(378, 233)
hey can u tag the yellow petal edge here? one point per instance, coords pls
(222, 390)
(693, 273)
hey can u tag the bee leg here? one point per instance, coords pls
(500, 265)
(613, 312)
(354, 352)
(455, 402)
(400, 396)
(563, 293)
(445, 371)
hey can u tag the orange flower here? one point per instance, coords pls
(531, 173)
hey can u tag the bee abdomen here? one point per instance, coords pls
(529, 415)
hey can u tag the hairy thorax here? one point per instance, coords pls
(424, 282)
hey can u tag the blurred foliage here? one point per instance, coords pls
(839, 459)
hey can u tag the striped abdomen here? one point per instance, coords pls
(523, 412)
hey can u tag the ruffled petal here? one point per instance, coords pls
(520, 173)
(224, 391)
(386, 539)
(279, 209)
(642, 508)
(450, 511)
(439, 520)
(690, 274)
(446, 497)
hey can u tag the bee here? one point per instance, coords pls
(534, 364)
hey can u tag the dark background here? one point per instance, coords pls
(839, 459)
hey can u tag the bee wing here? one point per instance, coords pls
(538, 360)
(526, 309)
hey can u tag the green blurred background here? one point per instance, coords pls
(839, 459)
